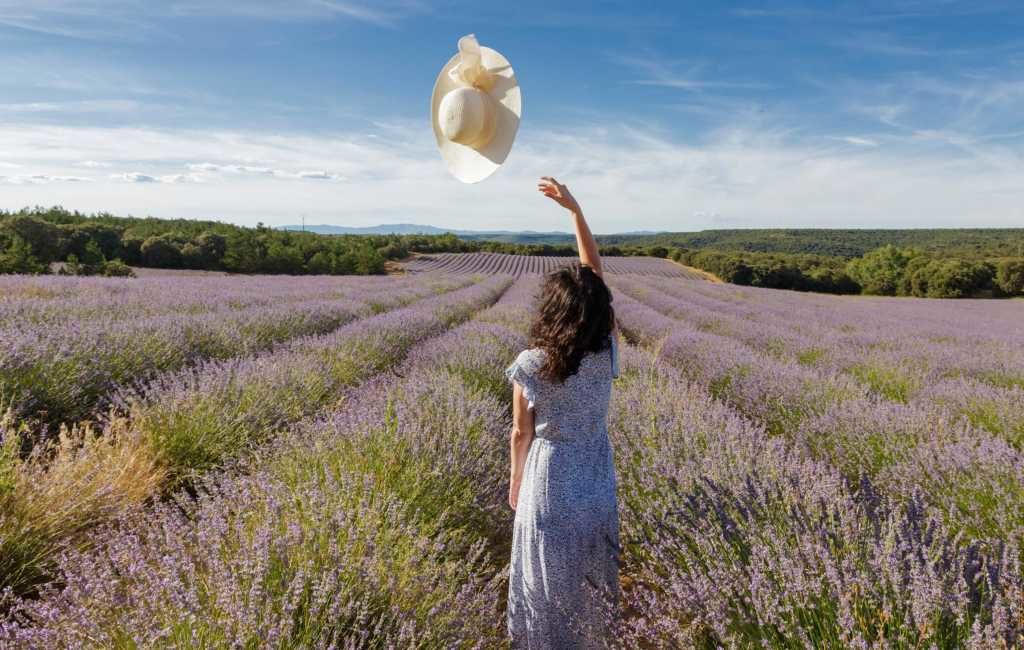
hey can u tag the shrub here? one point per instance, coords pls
(118, 269)
(52, 497)
(161, 252)
(949, 279)
(1009, 277)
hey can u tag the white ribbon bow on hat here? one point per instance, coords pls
(470, 70)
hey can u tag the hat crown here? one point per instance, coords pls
(466, 116)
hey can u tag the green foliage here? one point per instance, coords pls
(964, 243)
(951, 278)
(1009, 276)
(43, 238)
(18, 258)
(160, 251)
(880, 272)
(772, 270)
(117, 269)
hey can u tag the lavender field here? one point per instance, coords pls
(520, 265)
(215, 462)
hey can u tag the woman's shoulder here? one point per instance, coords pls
(530, 360)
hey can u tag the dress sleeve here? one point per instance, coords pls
(519, 374)
(615, 357)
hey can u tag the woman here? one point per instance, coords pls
(563, 585)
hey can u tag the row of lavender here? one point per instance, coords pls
(830, 512)
(30, 301)
(519, 265)
(169, 431)
(922, 354)
(381, 524)
(64, 370)
(378, 523)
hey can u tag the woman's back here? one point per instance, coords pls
(575, 410)
(565, 542)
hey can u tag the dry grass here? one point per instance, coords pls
(49, 499)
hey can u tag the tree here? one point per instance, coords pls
(282, 258)
(950, 278)
(77, 236)
(244, 252)
(131, 247)
(393, 251)
(319, 264)
(160, 252)
(192, 257)
(1010, 276)
(880, 272)
(18, 258)
(213, 246)
(43, 238)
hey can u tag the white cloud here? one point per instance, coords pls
(182, 178)
(203, 167)
(83, 106)
(262, 171)
(41, 179)
(93, 164)
(135, 177)
(319, 176)
(630, 179)
(855, 140)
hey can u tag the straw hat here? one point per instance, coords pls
(475, 111)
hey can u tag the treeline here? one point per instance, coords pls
(103, 244)
(885, 271)
(820, 273)
(962, 243)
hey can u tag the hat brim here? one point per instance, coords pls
(471, 165)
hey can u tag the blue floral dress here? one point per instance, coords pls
(564, 573)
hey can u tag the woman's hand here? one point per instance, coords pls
(557, 192)
(513, 493)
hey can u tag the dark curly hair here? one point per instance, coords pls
(575, 317)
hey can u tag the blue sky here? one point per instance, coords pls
(660, 115)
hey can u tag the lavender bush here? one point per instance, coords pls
(66, 371)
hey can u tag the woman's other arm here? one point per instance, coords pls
(521, 437)
(585, 241)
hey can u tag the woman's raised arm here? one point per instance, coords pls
(585, 241)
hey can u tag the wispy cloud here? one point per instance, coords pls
(134, 20)
(86, 106)
(41, 179)
(690, 76)
(138, 177)
(378, 12)
(628, 178)
(855, 140)
(263, 171)
(885, 44)
(135, 177)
